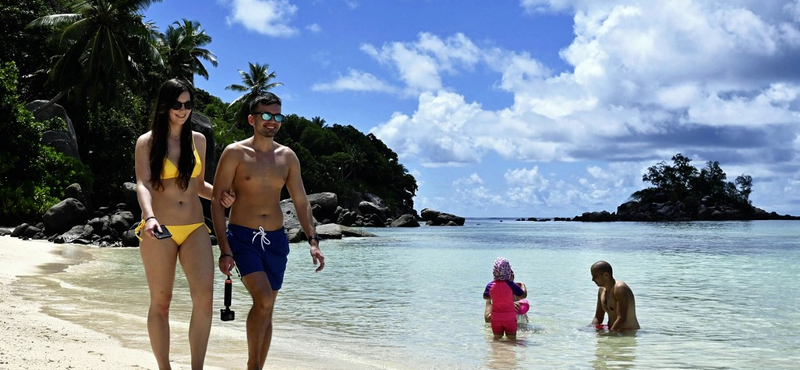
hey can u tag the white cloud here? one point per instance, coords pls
(421, 63)
(442, 131)
(356, 81)
(314, 28)
(482, 198)
(267, 17)
(352, 4)
(522, 176)
(769, 107)
(648, 79)
(473, 179)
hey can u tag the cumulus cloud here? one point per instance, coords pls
(267, 17)
(442, 132)
(473, 179)
(352, 4)
(647, 78)
(356, 81)
(314, 28)
(420, 64)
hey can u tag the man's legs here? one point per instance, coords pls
(259, 320)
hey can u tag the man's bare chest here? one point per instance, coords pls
(608, 301)
(261, 171)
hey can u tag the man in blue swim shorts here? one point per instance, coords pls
(256, 169)
(259, 250)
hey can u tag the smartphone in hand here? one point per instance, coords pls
(163, 234)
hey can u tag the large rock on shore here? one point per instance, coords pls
(406, 220)
(203, 125)
(70, 221)
(436, 218)
(323, 206)
(65, 141)
(658, 208)
(64, 215)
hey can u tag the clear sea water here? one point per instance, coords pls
(709, 295)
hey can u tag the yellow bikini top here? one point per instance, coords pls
(170, 170)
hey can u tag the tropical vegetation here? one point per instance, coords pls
(102, 62)
(681, 182)
(255, 83)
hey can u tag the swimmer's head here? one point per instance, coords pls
(502, 269)
(599, 269)
(602, 266)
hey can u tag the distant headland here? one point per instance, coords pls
(681, 192)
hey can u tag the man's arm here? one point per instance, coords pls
(599, 313)
(621, 296)
(223, 179)
(294, 183)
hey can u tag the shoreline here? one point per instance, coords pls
(36, 339)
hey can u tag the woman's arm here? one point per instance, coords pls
(204, 189)
(144, 190)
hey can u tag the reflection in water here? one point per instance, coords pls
(615, 350)
(503, 354)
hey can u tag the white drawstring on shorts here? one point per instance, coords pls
(263, 235)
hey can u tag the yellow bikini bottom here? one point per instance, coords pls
(179, 232)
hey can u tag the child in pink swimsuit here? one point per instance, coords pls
(499, 294)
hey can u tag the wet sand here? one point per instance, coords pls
(34, 339)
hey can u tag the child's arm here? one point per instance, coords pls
(487, 312)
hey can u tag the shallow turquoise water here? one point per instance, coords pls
(710, 295)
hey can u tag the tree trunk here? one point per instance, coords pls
(52, 101)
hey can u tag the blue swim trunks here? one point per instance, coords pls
(259, 250)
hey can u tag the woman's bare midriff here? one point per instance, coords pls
(174, 206)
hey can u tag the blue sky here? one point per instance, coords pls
(532, 108)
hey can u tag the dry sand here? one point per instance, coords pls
(34, 340)
(31, 339)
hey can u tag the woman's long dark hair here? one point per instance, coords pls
(168, 95)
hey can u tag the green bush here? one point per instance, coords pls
(107, 144)
(33, 176)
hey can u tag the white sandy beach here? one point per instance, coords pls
(32, 339)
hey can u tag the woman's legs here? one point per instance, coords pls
(159, 258)
(197, 261)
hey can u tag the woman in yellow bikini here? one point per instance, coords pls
(170, 173)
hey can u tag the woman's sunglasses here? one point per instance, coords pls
(177, 105)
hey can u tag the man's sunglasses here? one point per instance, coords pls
(266, 116)
(177, 105)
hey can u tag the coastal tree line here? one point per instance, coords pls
(683, 182)
(103, 62)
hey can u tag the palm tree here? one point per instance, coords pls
(254, 84)
(104, 42)
(319, 121)
(181, 49)
(355, 162)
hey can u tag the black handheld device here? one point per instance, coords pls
(163, 234)
(226, 314)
